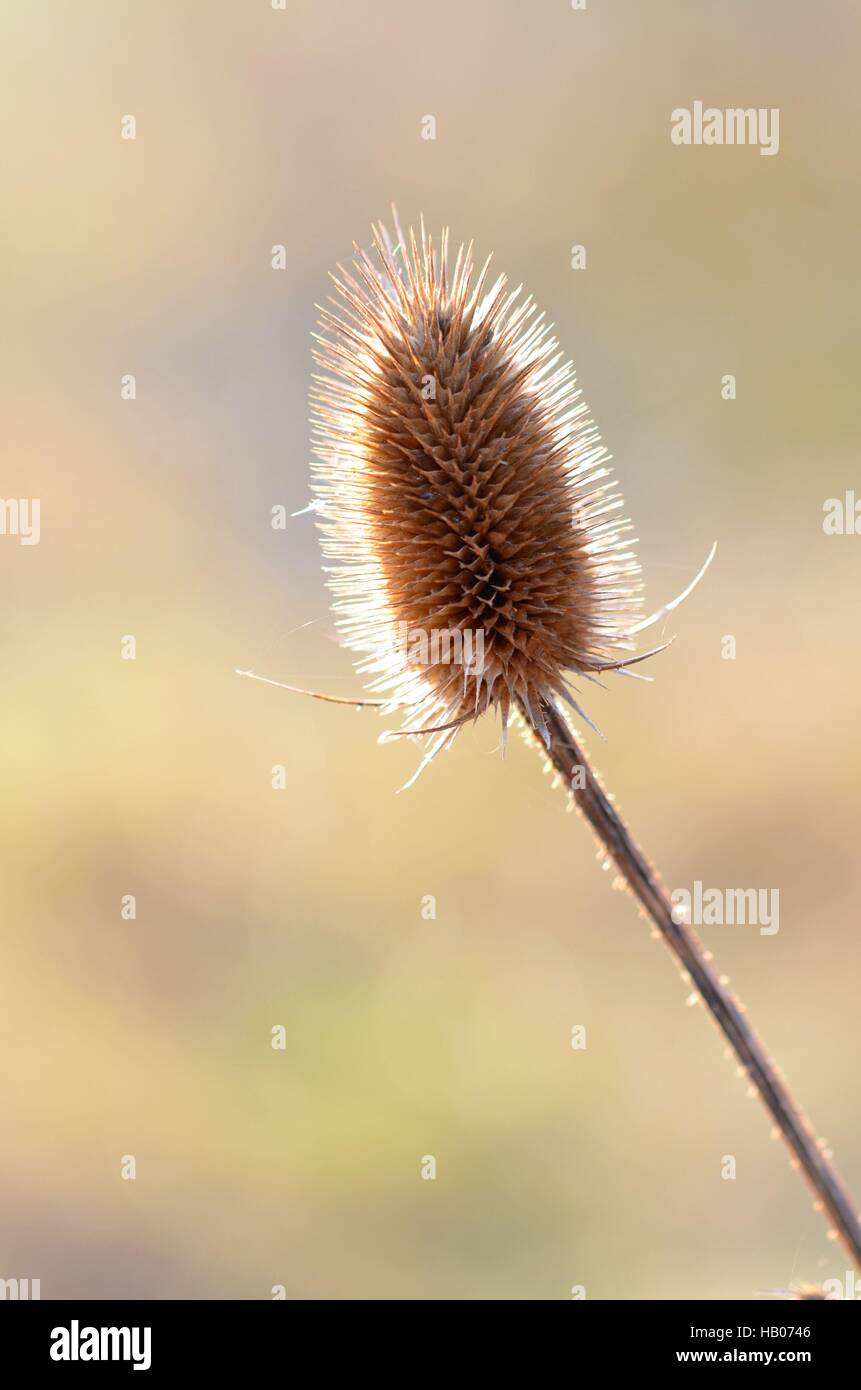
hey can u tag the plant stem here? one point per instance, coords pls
(566, 756)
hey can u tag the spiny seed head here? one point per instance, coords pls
(462, 492)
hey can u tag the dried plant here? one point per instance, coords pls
(462, 487)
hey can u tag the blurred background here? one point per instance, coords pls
(407, 1037)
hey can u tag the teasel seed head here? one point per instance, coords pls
(463, 493)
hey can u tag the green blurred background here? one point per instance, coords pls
(407, 1037)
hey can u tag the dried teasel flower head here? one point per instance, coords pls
(464, 495)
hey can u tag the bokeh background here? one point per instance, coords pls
(301, 907)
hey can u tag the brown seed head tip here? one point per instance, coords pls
(463, 493)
